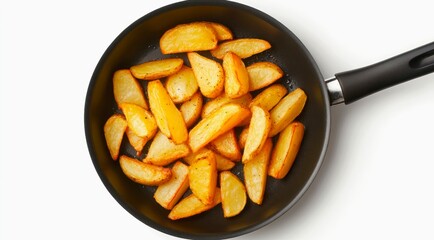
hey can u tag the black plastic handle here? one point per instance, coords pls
(362, 82)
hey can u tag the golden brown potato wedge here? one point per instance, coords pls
(203, 177)
(192, 109)
(222, 32)
(259, 128)
(190, 37)
(126, 89)
(255, 173)
(286, 149)
(114, 130)
(169, 193)
(169, 119)
(243, 47)
(164, 151)
(136, 142)
(209, 74)
(143, 173)
(157, 69)
(218, 102)
(242, 138)
(236, 76)
(140, 120)
(192, 205)
(227, 146)
(182, 85)
(215, 124)
(287, 110)
(223, 163)
(262, 74)
(233, 194)
(269, 97)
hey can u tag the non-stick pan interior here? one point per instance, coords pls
(138, 43)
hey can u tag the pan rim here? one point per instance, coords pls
(143, 218)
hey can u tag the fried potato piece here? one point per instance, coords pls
(218, 102)
(222, 32)
(114, 130)
(203, 177)
(164, 151)
(259, 128)
(126, 89)
(169, 193)
(233, 194)
(286, 149)
(262, 74)
(192, 205)
(157, 69)
(222, 162)
(242, 138)
(215, 124)
(190, 37)
(192, 109)
(269, 97)
(227, 146)
(209, 74)
(182, 85)
(140, 120)
(236, 76)
(143, 173)
(136, 142)
(255, 173)
(243, 47)
(287, 110)
(169, 119)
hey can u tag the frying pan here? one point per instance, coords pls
(139, 43)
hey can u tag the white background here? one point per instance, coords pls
(377, 179)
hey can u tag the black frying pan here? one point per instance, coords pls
(139, 43)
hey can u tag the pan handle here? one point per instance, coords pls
(352, 85)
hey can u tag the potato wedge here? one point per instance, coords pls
(192, 205)
(222, 32)
(169, 193)
(203, 177)
(140, 120)
(259, 128)
(126, 89)
(136, 142)
(169, 119)
(269, 97)
(227, 146)
(262, 74)
(214, 125)
(164, 151)
(287, 110)
(114, 130)
(157, 69)
(233, 194)
(286, 149)
(182, 85)
(255, 173)
(236, 76)
(218, 102)
(242, 138)
(143, 173)
(190, 37)
(223, 163)
(243, 47)
(192, 109)
(209, 74)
